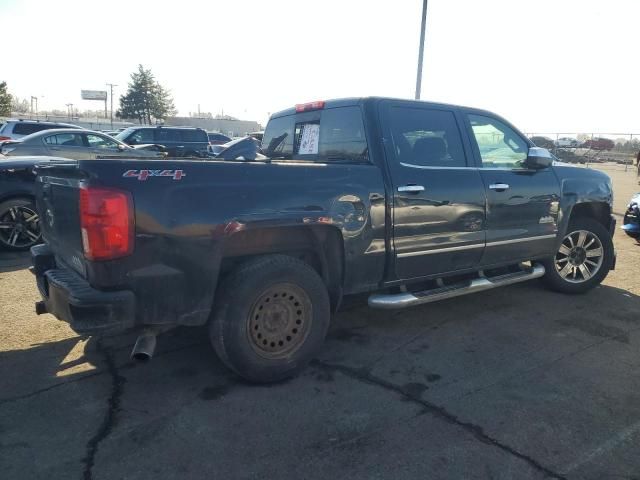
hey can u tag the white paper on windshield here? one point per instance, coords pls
(309, 141)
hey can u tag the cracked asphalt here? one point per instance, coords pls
(512, 383)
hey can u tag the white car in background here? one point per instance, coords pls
(567, 142)
(15, 129)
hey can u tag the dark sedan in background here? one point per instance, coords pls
(19, 220)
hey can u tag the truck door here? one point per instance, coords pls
(438, 206)
(522, 204)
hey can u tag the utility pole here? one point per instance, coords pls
(70, 110)
(110, 85)
(421, 50)
(32, 99)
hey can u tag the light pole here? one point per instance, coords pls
(111, 85)
(70, 110)
(421, 49)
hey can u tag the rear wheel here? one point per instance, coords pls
(583, 259)
(19, 224)
(271, 318)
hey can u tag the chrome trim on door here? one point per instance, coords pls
(440, 250)
(518, 240)
(427, 167)
(411, 188)
(499, 186)
(475, 245)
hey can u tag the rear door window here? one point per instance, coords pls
(65, 140)
(27, 128)
(194, 136)
(167, 135)
(425, 137)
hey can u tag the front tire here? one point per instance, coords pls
(271, 318)
(583, 260)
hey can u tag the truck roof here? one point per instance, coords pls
(350, 101)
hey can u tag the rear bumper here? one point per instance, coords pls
(71, 299)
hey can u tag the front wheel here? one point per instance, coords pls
(271, 317)
(583, 259)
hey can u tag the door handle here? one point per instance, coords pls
(500, 187)
(411, 188)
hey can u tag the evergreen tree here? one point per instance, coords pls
(5, 100)
(146, 100)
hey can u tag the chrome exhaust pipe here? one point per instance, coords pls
(144, 347)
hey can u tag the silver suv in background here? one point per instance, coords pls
(15, 129)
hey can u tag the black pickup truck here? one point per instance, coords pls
(408, 201)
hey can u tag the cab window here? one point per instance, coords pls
(425, 137)
(499, 145)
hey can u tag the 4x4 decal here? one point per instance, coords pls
(142, 175)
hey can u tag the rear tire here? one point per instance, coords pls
(19, 224)
(271, 317)
(583, 260)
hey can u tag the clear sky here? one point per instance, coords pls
(546, 65)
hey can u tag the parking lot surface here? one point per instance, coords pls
(516, 382)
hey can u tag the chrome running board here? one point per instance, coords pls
(410, 299)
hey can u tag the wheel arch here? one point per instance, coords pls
(320, 246)
(599, 211)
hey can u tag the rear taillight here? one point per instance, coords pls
(2, 139)
(106, 222)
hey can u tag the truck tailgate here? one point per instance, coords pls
(57, 199)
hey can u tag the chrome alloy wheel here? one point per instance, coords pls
(579, 257)
(19, 227)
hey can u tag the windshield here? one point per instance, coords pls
(123, 134)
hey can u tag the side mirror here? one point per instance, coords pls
(539, 158)
(121, 147)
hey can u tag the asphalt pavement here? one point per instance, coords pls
(513, 383)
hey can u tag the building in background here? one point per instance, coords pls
(230, 127)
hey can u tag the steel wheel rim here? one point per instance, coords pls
(19, 227)
(579, 257)
(279, 321)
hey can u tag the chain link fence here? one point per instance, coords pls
(606, 150)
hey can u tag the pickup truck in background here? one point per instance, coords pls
(408, 201)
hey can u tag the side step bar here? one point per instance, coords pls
(410, 299)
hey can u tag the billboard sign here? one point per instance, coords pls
(94, 95)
